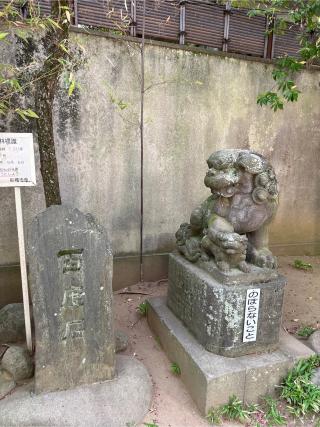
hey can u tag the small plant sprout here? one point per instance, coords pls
(305, 331)
(175, 368)
(143, 308)
(235, 410)
(214, 416)
(273, 415)
(151, 424)
(301, 265)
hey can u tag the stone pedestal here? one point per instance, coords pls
(210, 378)
(214, 310)
(70, 264)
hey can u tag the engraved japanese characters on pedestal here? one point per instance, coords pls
(230, 226)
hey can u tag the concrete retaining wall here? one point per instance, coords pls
(195, 103)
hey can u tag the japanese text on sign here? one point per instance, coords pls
(17, 167)
(251, 315)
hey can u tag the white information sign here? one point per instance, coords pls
(251, 315)
(17, 168)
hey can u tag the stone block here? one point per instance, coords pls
(123, 402)
(70, 263)
(12, 323)
(314, 341)
(7, 383)
(18, 362)
(215, 312)
(210, 378)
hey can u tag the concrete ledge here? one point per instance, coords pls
(211, 379)
(120, 402)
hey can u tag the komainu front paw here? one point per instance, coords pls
(263, 258)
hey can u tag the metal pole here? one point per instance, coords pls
(23, 267)
(133, 27)
(75, 12)
(182, 31)
(227, 12)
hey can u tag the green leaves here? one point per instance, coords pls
(301, 265)
(305, 331)
(142, 308)
(283, 15)
(175, 368)
(3, 35)
(302, 396)
(24, 114)
(271, 99)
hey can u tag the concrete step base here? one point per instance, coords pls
(123, 401)
(211, 379)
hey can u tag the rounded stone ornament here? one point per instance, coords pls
(251, 162)
(260, 195)
(17, 361)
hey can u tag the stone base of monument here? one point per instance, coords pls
(210, 378)
(212, 305)
(123, 401)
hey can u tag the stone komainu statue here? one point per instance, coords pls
(230, 226)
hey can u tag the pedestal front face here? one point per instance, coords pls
(231, 320)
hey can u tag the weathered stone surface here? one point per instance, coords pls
(315, 379)
(6, 383)
(210, 378)
(215, 313)
(314, 341)
(71, 277)
(231, 226)
(118, 403)
(12, 323)
(18, 362)
(121, 341)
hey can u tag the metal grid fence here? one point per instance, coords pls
(202, 23)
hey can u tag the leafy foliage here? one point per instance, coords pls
(214, 416)
(143, 308)
(273, 415)
(235, 410)
(305, 331)
(301, 265)
(175, 368)
(282, 15)
(19, 79)
(302, 396)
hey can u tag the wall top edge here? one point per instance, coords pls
(200, 50)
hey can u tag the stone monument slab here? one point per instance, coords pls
(71, 264)
(215, 313)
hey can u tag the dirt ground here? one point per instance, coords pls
(172, 405)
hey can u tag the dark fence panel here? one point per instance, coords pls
(201, 23)
(111, 14)
(161, 19)
(205, 24)
(45, 7)
(287, 43)
(246, 34)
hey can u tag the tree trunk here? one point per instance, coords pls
(44, 97)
